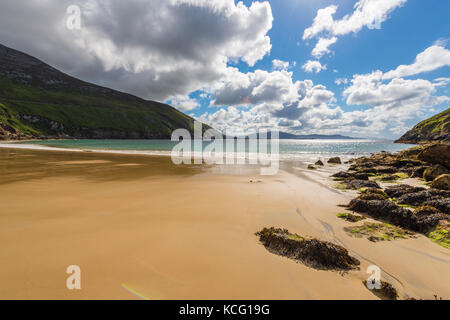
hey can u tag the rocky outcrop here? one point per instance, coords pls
(314, 253)
(386, 210)
(438, 153)
(436, 128)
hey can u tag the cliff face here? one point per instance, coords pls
(436, 128)
(37, 101)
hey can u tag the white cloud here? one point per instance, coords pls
(340, 81)
(367, 13)
(432, 58)
(280, 65)
(313, 66)
(156, 49)
(254, 87)
(322, 45)
(184, 103)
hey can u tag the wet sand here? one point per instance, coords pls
(141, 227)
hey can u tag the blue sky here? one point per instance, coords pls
(244, 66)
(408, 31)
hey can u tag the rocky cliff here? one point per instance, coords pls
(436, 128)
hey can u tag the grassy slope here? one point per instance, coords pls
(430, 129)
(75, 110)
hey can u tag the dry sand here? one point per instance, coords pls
(140, 227)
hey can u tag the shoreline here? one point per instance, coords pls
(171, 232)
(300, 156)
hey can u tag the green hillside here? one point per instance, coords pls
(436, 128)
(38, 101)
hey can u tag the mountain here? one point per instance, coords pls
(436, 128)
(284, 135)
(38, 101)
(290, 136)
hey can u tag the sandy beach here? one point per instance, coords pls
(140, 227)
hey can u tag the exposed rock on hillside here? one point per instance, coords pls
(436, 128)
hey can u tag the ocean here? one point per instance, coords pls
(288, 149)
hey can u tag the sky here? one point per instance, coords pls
(364, 68)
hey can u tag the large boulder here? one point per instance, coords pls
(442, 182)
(438, 153)
(433, 172)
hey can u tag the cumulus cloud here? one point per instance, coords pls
(280, 65)
(306, 107)
(367, 13)
(340, 81)
(432, 58)
(254, 87)
(184, 103)
(156, 49)
(313, 66)
(322, 46)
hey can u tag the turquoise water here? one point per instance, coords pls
(288, 149)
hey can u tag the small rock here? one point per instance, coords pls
(335, 160)
(359, 184)
(342, 174)
(311, 167)
(386, 290)
(361, 176)
(319, 163)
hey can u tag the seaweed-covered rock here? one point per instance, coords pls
(361, 176)
(442, 182)
(433, 172)
(371, 196)
(386, 210)
(389, 177)
(417, 172)
(341, 175)
(385, 291)
(386, 169)
(335, 160)
(438, 153)
(442, 205)
(357, 184)
(317, 254)
(428, 218)
(311, 167)
(350, 217)
(375, 190)
(418, 198)
(319, 163)
(401, 189)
